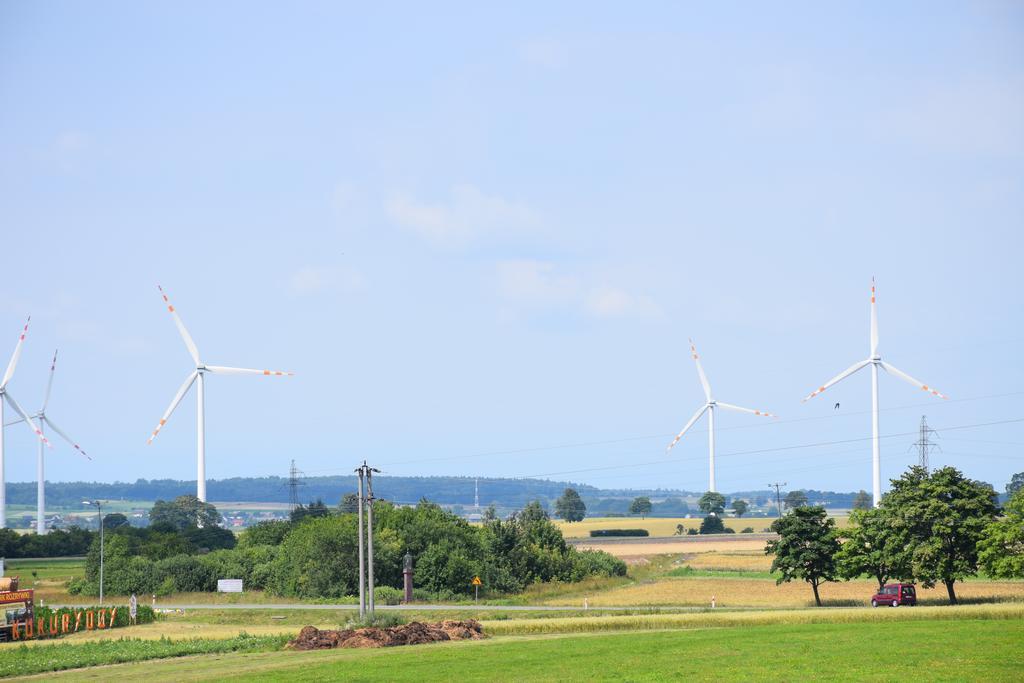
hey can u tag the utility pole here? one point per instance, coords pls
(778, 496)
(369, 533)
(924, 444)
(362, 563)
(365, 502)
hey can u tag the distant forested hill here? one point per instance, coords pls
(505, 494)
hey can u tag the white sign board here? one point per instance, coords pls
(229, 585)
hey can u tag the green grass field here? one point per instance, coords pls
(932, 650)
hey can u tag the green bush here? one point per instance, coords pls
(594, 533)
(596, 563)
(692, 532)
(747, 530)
(386, 595)
(388, 619)
(712, 524)
(187, 573)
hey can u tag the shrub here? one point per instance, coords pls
(187, 574)
(596, 563)
(747, 530)
(386, 595)
(712, 524)
(594, 533)
(691, 532)
(388, 619)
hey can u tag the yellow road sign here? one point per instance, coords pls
(477, 581)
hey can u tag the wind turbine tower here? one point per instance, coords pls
(198, 376)
(709, 406)
(5, 395)
(875, 361)
(45, 421)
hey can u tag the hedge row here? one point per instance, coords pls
(619, 532)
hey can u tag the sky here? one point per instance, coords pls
(482, 236)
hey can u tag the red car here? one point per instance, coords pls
(895, 594)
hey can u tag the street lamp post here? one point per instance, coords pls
(99, 515)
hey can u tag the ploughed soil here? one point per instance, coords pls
(413, 633)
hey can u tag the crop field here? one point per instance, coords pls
(656, 526)
(937, 650)
(761, 592)
(644, 548)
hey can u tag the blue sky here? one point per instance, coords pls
(477, 232)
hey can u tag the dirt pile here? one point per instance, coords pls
(413, 633)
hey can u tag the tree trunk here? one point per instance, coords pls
(949, 589)
(817, 599)
(881, 582)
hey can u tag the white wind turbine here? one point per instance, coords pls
(198, 375)
(45, 421)
(710, 406)
(5, 395)
(875, 361)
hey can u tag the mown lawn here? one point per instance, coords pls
(927, 650)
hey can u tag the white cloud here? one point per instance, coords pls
(468, 215)
(316, 279)
(536, 284)
(608, 302)
(539, 285)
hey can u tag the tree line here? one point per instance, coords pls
(313, 554)
(932, 527)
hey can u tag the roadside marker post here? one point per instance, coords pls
(476, 588)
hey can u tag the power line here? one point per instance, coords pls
(666, 435)
(769, 450)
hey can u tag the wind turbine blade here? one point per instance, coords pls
(60, 432)
(174, 404)
(729, 406)
(28, 421)
(910, 380)
(874, 321)
(193, 351)
(687, 427)
(49, 383)
(15, 356)
(842, 375)
(13, 422)
(223, 370)
(700, 371)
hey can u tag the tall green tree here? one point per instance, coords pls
(862, 501)
(872, 548)
(711, 503)
(939, 517)
(570, 506)
(795, 499)
(641, 505)
(806, 548)
(183, 512)
(315, 509)
(1015, 484)
(740, 507)
(113, 520)
(1001, 547)
(349, 503)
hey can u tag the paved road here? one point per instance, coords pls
(423, 607)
